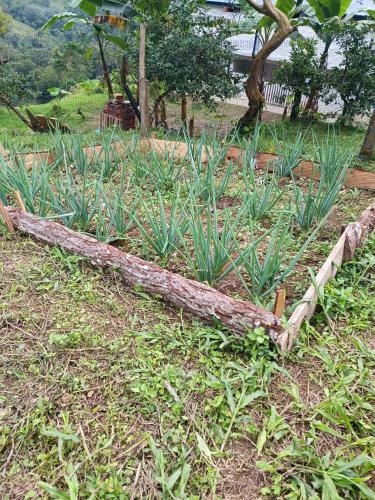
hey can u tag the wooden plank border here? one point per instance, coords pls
(354, 236)
(354, 178)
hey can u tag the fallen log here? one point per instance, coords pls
(354, 236)
(196, 298)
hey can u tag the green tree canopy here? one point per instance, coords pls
(301, 73)
(354, 78)
(188, 53)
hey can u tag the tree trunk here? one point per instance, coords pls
(285, 112)
(163, 113)
(261, 90)
(294, 113)
(183, 110)
(191, 127)
(15, 110)
(368, 146)
(106, 75)
(123, 77)
(253, 93)
(345, 109)
(159, 106)
(155, 116)
(196, 298)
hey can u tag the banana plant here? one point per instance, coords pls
(94, 16)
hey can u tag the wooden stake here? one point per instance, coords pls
(278, 308)
(19, 200)
(143, 85)
(6, 217)
(353, 237)
(142, 51)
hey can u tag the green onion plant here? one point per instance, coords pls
(289, 155)
(165, 231)
(269, 271)
(261, 194)
(212, 255)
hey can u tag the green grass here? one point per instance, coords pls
(131, 196)
(19, 28)
(13, 131)
(107, 393)
(315, 132)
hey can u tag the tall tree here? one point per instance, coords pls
(354, 78)
(283, 29)
(188, 55)
(300, 73)
(328, 16)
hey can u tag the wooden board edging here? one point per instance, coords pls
(307, 169)
(354, 178)
(354, 236)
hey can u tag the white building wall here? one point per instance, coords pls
(244, 45)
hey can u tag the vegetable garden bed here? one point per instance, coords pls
(192, 211)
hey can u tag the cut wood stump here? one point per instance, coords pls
(354, 236)
(196, 298)
(41, 123)
(278, 308)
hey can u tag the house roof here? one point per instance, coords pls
(356, 7)
(221, 2)
(244, 43)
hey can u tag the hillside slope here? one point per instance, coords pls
(27, 16)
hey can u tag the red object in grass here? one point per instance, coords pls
(117, 112)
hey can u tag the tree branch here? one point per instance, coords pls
(15, 110)
(158, 101)
(256, 6)
(284, 29)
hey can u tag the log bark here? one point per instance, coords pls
(354, 236)
(253, 92)
(196, 298)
